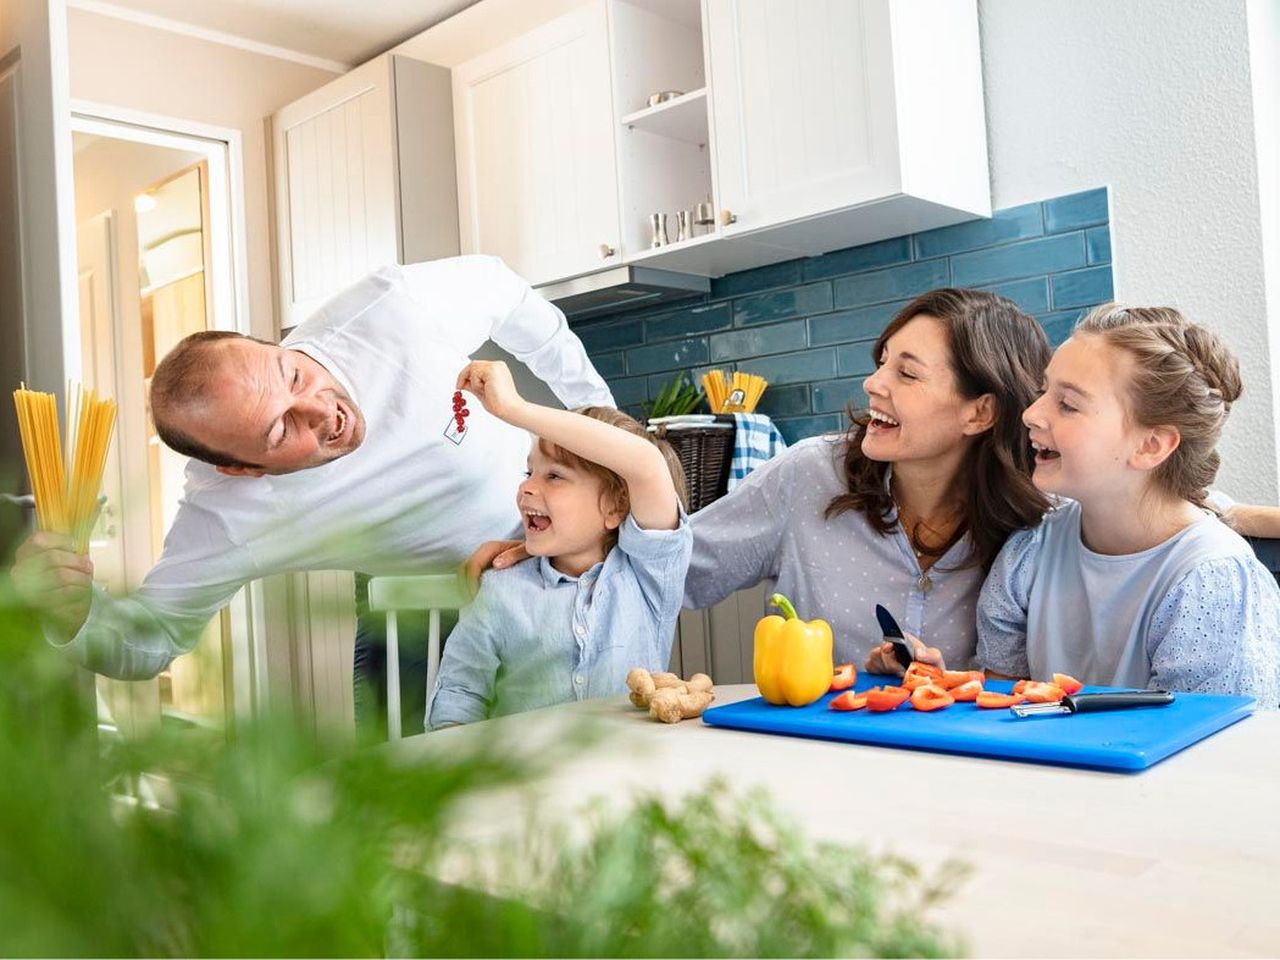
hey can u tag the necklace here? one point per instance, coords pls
(921, 534)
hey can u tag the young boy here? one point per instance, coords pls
(609, 545)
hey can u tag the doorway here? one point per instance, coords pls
(156, 244)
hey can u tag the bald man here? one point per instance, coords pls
(336, 450)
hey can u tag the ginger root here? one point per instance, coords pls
(667, 697)
(673, 705)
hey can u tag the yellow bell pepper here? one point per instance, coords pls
(793, 661)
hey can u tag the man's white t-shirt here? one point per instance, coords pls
(409, 499)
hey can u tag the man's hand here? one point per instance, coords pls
(490, 381)
(54, 579)
(497, 554)
(882, 660)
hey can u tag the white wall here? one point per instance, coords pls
(142, 68)
(1153, 100)
(1264, 62)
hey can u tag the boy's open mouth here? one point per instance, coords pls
(536, 522)
(1044, 454)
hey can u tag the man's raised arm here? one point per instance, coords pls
(483, 300)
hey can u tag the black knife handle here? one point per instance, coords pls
(1093, 702)
(902, 651)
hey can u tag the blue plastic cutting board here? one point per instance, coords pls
(1115, 740)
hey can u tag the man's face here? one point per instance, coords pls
(275, 408)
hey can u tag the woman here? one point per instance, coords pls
(910, 507)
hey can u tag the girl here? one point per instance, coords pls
(1132, 581)
(605, 525)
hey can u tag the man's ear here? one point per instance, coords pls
(981, 416)
(1155, 446)
(241, 471)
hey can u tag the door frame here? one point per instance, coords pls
(224, 153)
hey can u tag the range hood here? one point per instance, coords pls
(622, 288)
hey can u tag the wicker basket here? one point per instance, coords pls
(705, 452)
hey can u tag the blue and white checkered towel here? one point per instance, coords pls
(755, 440)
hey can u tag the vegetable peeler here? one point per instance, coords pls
(1094, 702)
(893, 634)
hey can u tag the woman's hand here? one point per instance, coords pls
(497, 554)
(882, 659)
(490, 381)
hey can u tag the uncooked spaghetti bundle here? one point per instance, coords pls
(66, 487)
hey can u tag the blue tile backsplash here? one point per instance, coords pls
(807, 325)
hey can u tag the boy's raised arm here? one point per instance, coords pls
(652, 493)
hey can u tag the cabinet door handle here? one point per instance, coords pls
(606, 251)
(727, 218)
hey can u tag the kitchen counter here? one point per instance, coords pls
(1182, 859)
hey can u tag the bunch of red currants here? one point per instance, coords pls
(460, 411)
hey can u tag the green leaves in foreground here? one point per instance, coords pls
(274, 845)
(715, 874)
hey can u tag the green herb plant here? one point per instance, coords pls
(676, 398)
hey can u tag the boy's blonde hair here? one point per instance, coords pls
(1184, 376)
(615, 488)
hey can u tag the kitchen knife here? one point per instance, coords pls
(893, 634)
(1094, 702)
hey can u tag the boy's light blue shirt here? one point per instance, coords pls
(534, 636)
(1197, 613)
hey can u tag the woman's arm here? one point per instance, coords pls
(1253, 520)
(738, 538)
(639, 462)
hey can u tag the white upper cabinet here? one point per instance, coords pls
(827, 106)
(537, 176)
(364, 176)
(803, 98)
(784, 128)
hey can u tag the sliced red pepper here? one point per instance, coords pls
(919, 668)
(955, 678)
(848, 701)
(914, 681)
(931, 697)
(843, 677)
(1037, 692)
(966, 692)
(886, 698)
(994, 701)
(919, 674)
(1068, 684)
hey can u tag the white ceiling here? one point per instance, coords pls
(347, 31)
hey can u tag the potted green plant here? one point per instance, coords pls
(676, 398)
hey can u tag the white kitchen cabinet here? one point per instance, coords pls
(844, 121)
(807, 125)
(537, 176)
(364, 176)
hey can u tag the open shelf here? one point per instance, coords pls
(651, 252)
(683, 118)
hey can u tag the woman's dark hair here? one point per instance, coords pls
(995, 349)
